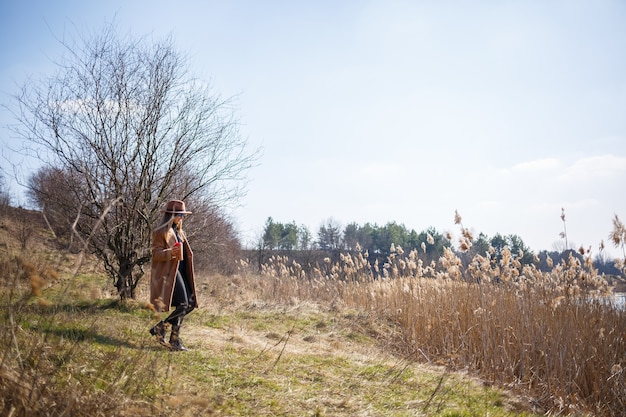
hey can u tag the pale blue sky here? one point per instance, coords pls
(378, 111)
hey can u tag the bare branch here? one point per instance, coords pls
(122, 120)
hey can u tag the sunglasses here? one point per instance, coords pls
(179, 215)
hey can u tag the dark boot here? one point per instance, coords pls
(158, 331)
(175, 343)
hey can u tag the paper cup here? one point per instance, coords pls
(180, 256)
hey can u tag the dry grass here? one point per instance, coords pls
(72, 353)
(398, 339)
(552, 335)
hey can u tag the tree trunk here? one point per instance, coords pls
(124, 286)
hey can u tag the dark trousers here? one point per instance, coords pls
(181, 300)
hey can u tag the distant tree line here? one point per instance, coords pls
(377, 240)
(300, 244)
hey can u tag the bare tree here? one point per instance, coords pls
(50, 191)
(129, 128)
(214, 238)
(5, 195)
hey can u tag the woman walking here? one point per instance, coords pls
(172, 278)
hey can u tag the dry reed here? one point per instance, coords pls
(553, 335)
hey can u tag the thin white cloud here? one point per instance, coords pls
(542, 166)
(594, 168)
(537, 165)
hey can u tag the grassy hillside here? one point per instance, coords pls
(71, 348)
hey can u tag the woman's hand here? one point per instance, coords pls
(177, 251)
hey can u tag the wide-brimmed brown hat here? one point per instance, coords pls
(176, 206)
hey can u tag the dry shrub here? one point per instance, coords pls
(47, 372)
(24, 394)
(567, 351)
(42, 362)
(214, 240)
(48, 378)
(20, 272)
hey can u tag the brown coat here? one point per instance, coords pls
(163, 271)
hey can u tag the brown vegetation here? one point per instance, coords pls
(555, 334)
(554, 338)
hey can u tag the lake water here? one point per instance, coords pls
(617, 299)
(620, 299)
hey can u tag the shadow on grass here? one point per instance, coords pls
(42, 318)
(85, 307)
(78, 335)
